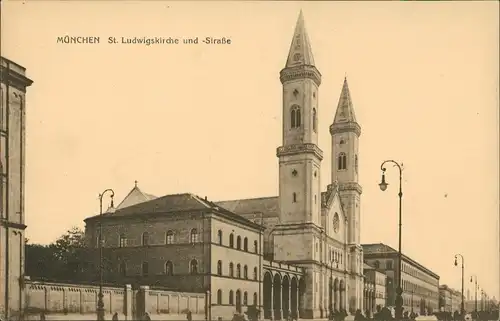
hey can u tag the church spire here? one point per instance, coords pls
(345, 109)
(300, 52)
(345, 118)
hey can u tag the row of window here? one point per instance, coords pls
(296, 118)
(408, 269)
(238, 242)
(417, 289)
(194, 238)
(231, 298)
(168, 268)
(238, 271)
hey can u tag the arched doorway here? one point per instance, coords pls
(238, 301)
(268, 294)
(285, 296)
(277, 296)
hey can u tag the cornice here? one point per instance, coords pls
(350, 187)
(14, 79)
(300, 72)
(300, 149)
(347, 127)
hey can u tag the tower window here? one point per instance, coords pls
(295, 117)
(356, 163)
(315, 120)
(294, 196)
(342, 161)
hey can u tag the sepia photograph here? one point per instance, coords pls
(249, 160)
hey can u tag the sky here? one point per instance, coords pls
(206, 119)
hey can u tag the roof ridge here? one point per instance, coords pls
(247, 199)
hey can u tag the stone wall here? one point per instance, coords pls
(64, 301)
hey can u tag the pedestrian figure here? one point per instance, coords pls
(115, 316)
(189, 316)
(42, 316)
(147, 317)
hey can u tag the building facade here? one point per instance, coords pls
(450, 300)
(13, 84)
(311, 260)
(420, 285)
(376, 293)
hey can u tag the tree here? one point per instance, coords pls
(64, 259)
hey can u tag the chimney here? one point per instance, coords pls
(205, 197)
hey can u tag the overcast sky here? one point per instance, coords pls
(207, 119)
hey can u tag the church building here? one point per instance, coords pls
(297, 252)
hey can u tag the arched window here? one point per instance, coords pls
(231, 297)
(245, 272)
(145, 269)
(238, 271)
(123, 240)
(255, 298)
(342, 161)
(170, 238)
(194, 236)
(245, 298)
(219, 267)
(245, 244)
(315, 120)
(238, 243)
(231, 269)
(145, 239)
(123, 269)
(294, 197)
(169, 268)
(295, 117)
(193, 266)
(219, 296)
(219, 235)
(231, 240)
(255, 273)
(255, 247)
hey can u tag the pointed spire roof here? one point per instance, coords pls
(300, 49)
(345, 118)
(135, 196)
(345, 108)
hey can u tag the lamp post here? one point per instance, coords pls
(475, 291)
(383, 186)
(100, 302)
(462, 307)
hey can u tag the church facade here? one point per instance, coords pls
(306, 227)
(298, 252)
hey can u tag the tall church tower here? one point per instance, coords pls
(345, 132)
(300, 157)
(297, 237)
(13, 83)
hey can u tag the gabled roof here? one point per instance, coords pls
(176, 204)
(300, 52)
(135, 196)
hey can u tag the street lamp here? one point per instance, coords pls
(100, 302)
(462, 308)
(383, 186)
(475, 291)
